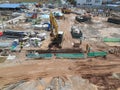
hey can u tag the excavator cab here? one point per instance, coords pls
(56, 41)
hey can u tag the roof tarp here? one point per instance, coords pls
(7, 5)
(1, 33)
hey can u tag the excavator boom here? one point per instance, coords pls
(54, 25)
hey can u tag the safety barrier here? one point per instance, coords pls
(111, 39)
(97, 54)
(67, 55)
(33, 55)
(70, 56)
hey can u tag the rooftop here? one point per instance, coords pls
(10, 5)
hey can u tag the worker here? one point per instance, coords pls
(80, 40)
(87, 48)
(21, 46)
(36, 42)
(64, 17)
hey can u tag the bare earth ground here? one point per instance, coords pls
(30, 70)
(97, 70)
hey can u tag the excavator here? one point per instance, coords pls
(56, 36)
(66, 10)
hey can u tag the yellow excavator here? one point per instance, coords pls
(56, 36)
(66, 10)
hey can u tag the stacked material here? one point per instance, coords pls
(44, 16)
(5, 44)
(42, 36)
(42, 27)
(58, 14)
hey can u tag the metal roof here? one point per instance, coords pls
(113, 5)
(9, 5)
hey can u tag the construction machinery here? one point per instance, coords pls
(114, 18)
(66, 10)
(76, 32)
(83, 18)
(56, 36)
(39, 4)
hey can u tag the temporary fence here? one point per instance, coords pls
(67, 55)
(4, 44)
(111, 39)
(70, 55)
(33, 55)
(97, 54)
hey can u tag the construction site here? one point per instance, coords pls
(58, 47)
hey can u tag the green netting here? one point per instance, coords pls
(111, 39)
(47, 55)
(96, 54)
(72, 56)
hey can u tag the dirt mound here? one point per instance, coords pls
(103, 81)
(55, 83)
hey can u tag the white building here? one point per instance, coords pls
(89, 2)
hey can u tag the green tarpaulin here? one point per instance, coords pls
(111, 39)
(47, 55)
(68, 55)
(96, 54)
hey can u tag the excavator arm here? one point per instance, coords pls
(54, 25)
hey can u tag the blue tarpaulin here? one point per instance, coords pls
(7, 5)
(29, 14)
(44, 16)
